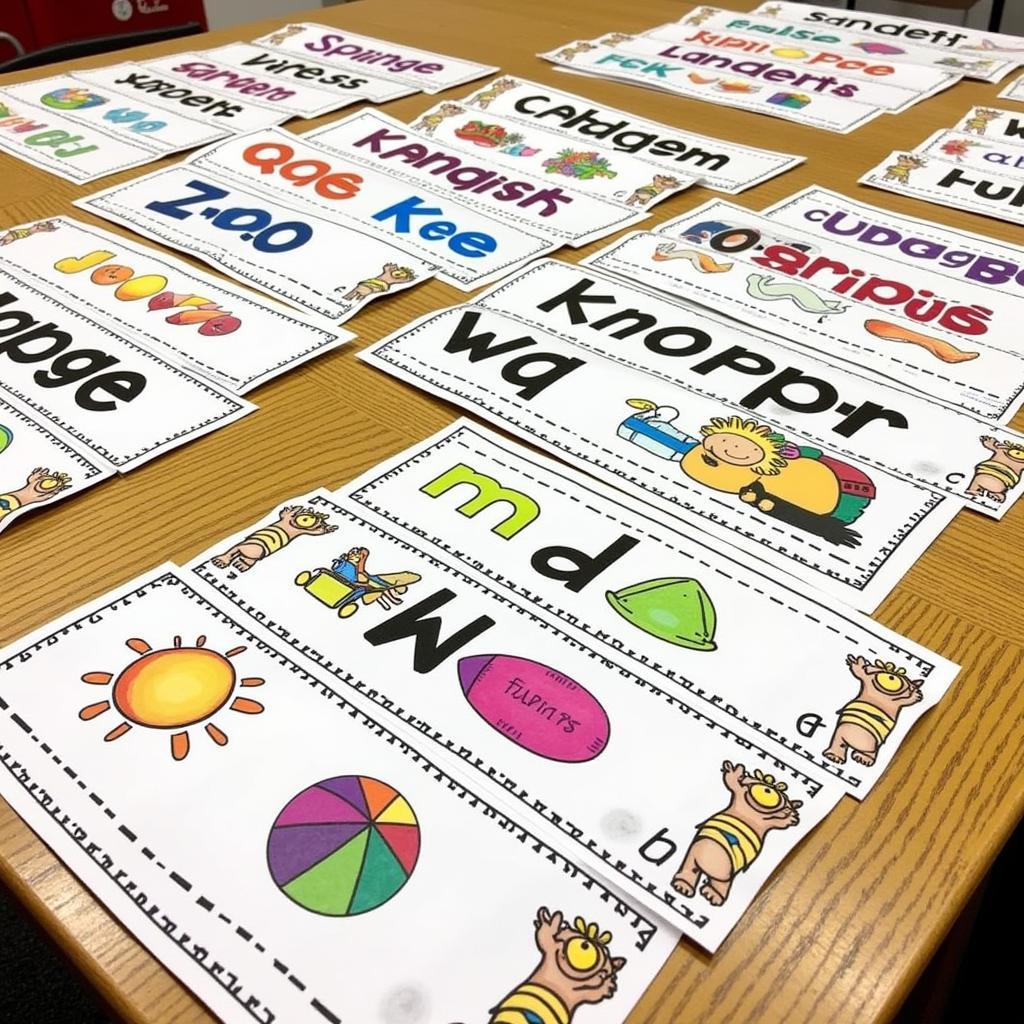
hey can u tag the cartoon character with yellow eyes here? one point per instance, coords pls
(41, 485)
(576, 967)
(995, 476)
(295, 521)
(729, 841)
(867, 720)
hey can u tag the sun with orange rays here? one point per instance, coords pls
(173, 688)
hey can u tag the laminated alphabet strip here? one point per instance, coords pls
(571, 738)
(290, 833)
(888, 27)
(988, 192)
(957, 342)
(591, 170)
(807, 97)
(827, 519)
(994, 124)
(957, 254)
(720, 165)
(980, 154)
(1014, 90)
(325, 265)
(831, 407)
(190, 318)
(750, 40)
(843, 44)
(115, 399)
(38, 466)
(541, 204)
(345, 86)
(676, 608)
(784, 66)
(421, 69)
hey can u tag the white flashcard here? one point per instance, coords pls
(813, 102)
(293, 98)
(958, 343)
(1014, 90)
(670, 151)
(981, 154)
(230, 114)
(742, 645)
(539, 202)
(330, 267)
(954, 253)
(927, 33)
(918, 78)
(411, 66)
(38, 465)
(990, 193)
(159, 130)
(346, 86)
(291, 844)
(53, 142)
(190, 317)
(109, 394)
(573, 738)
(591, 170)
(830, 406)
(994, 124)
(829, 520)
(798, 72)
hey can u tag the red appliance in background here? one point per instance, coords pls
(39, 24)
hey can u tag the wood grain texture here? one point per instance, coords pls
(845, 926)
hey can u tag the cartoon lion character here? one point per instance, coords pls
(485, 98)
(294, 521)
(391, 274)
(995, 476)
(576, 967)
(41, 485)
(798, 484)
(428, 123)
(865, 722)
(980, 120)
(645, 193)
(900, 171)
(574, 49)
(728, 842)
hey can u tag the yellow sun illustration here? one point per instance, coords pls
(173, 688)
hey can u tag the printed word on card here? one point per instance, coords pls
(294, 845)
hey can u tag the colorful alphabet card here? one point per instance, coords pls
(595, 562)
(189, 317)
(782, 27)
(816, 98)
(346, 51)
(798, 501)
(38, 465)
(296, 854)
(615, 764)
(961, 40)
(956, 342)
(670, 153)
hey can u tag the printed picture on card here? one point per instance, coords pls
(558, 730)
(805, 508)
(38, 466)
(670, 152)
(980, 154)
(286, 820)
(190, 317)
(421, 69)
(993, 124)
(678, 609)
(953, 341)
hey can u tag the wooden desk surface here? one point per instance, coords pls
(846, 925)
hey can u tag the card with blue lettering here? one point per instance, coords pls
(805, 507)
(329, 266)
(992, 193)
(620, 767)
(596, 563)
(411, 66)
(295, 855)
(980, 154)
(116, 400)
(814, 101)
(785, 28)
(955, 342)
(192, 318)
(38, 466)
(670, 153)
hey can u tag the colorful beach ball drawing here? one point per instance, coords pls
(344, 846)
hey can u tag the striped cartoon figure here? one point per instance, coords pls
(294, 521)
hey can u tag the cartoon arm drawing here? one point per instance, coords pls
(41, 485)
(995, 476)
(391, 274)
(293, 521)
